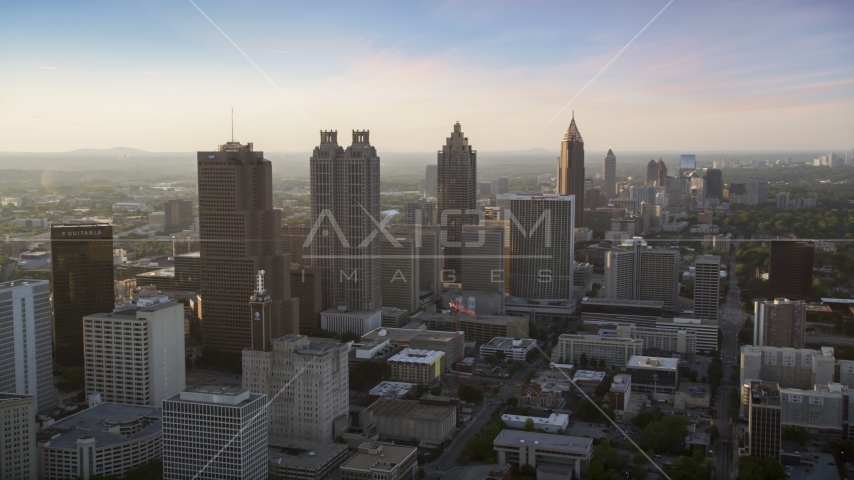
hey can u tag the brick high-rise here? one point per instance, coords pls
(570, 171)
(240, 235)
(345, 204)
(458, 194)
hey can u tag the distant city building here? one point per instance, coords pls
(484, 188)
(706, 330)
(399, 273)
(291, 459)
(238, 449)
(240, 235)
(187, 272)
(764, 426)
(554, 423)
(480, 329)
(428, 246)
(582, 276)
(82, 284)
(422, 212)
(178, 215)
(293, 243)
(687, 162)
(502, 185)
(382, 461)
(345, 195)
(184, 242)
(783, 200)
(609, 173)
(106, 439)
(18, 457)
(639, 272)
(791, 368)
(431, 176)
(483, 259)
(790, 267)
(457, 163)
(707, 287)
(305, 285)
(135, 355)
(26, 361)
(570, 170)
(757, 191)
(779, 323)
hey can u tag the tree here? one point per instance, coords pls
(755, 468)
(601, 363)
(512, 401)
(795, 434)
(350, 337)
(639, 458)
(532, 355)
(596, 471)
(697, 466)
(470, 394)
(582, 361)
(499, 354)
(529, 425)
(437, 390)
(667, 434)
(421, 473)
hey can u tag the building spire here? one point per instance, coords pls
(232, 124)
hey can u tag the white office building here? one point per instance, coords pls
(570, 455)
(789, 367)
(307, 380)
(18, 459)
(135, 355)
(213, 433)
(26, 359)
(706, 330)
(552, 424)
(637, 271)
(510, 348)
(615, 351)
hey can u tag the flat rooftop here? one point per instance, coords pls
(561, 443)
(130, 310)
(410, 409)
(302, 453)
(97, 421)
(756, 350)
(405, 335)
(391, 455)
(413, 355)
(20, 283)
(597, 338)
(505, 343)
(654, 363)
(216, 395)
(555, 419)
(392, 389)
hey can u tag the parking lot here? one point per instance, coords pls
(592, 430)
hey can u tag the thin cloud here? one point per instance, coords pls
(150, 73)
(279, 51)
(48, 67)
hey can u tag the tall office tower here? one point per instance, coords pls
(215, 432)
(457, 195)
(687, 162)
(431, 177)
(18, 457)
(305, 285)
(421, 211)
(594, 198)
(428, 248)
(293, 243)
(737, 189)
(662, 173)
(570, 171)
(714, 184)
(790, 269)
(757, 191)
(779, 323)
(651, 174)
(185, 242)
(783, 200)
(307, 380)
(642, 194)
(26, 360)
(502, 185)
(188, 270)
(707, 286)
(82, 284)
(638, 272)
(542, 235)
(179, 215)
(135, 355)
(399, 273)
(345, 204)
(241, 234)
(764, 428)
(609, 172)
(483, 260)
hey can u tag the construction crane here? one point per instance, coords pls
(457, 306)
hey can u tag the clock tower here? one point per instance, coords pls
(259, 304)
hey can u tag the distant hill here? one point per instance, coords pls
(113, 152)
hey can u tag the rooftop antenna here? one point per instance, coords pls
(232, 124)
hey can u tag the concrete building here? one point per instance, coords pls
(399, 273)
(187, 272)
(707, 287)
(293, 243)
(308, 379)
(764, 422)
(417, 366)
(620, 393)
(661, 339)
(79, 251)
(582, 277)
(615, 351)
(510, 348)
(457, 185)
(757, 191)
(409, 419)
(135, 355)
(341, 320)
(178, 215)
(480, 329)
(653, 374)
(240, 233)
(542, 235)
(428, 246)
(431, 175)
(788, 367)
(609, 173)
(26, 359)
(824, 412)
(446, 342)
(291, 459)
(18, 458)
(570, 169)
(779, 323)
(483, 260)
(554, 423)
(237, 450)
(382, 461)
(395, 317)
(392, 390)
(305, 286)
(107, 439)
(790, 268)
(421, 212)
(706, 330)
(639, 272)
(544, 450)
(345, 198)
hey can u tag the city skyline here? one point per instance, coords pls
(694, 77)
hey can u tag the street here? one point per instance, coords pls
(730, 323)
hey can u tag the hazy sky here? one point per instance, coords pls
(159, 76)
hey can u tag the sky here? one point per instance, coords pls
(161, 76)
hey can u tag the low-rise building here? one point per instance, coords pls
(552, 424)
(653, 374)
(448, 342)
(706, 330)
(341, 320)
(417, 366)
(544, 450)
(588, 378)
(481, 329)
(615, 351)
(408, 419)
(290, 459)
(537, 395)
(512, 348)
(789, 367)
(382, 461)
(692, 395)
(107, 439)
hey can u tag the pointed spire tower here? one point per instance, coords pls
(570, 171)
(609, 173)
(259, 304)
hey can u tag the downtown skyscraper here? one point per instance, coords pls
(609, 172)
(457, 197)
(345, 214)
(570, 170)
(240, 234)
